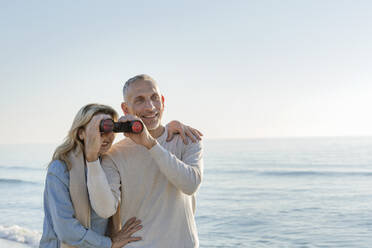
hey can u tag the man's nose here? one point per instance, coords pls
(149, 105)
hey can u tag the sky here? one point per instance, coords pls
(232, 69)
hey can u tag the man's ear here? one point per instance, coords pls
(162, 100)
(124, 107)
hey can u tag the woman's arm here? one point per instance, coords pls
(68, 229)
(103, 187)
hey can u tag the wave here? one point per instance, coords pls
(21, 168)
(15, 181)
(20, 235)
(295, 173)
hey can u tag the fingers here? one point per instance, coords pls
(127, 241)
(92, 128)
(190, 134)
(92, 137)
(169, 136)
(134, 239)
(123, 237)
(97, 119)
(128, 118)
(123, 242)
(133, 230)
(193, 133)
(133, 226)
(174, 127)
(129, 231)
(200, 133)
(129, 222)
(183, 137)
(196, 133)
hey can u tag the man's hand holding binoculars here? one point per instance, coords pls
(142, 138)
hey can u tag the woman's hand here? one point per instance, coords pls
(92, 138)
(176, 127)
(125, 235)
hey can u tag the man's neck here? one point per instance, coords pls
(156, 133)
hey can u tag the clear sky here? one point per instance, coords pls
(233, 69)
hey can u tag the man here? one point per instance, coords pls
(150, 178)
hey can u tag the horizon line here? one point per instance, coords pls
(229, 138)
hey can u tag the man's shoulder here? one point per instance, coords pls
(177, 141)
(177, 146)
(120, 145)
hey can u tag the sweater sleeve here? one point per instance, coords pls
(185, 174)
(103, 187)
(68, 229)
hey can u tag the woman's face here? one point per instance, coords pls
(93, 138)
(106, 138)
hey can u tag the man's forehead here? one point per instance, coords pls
(140, 87)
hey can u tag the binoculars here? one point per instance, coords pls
(108, 125)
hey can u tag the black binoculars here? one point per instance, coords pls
(108, 125)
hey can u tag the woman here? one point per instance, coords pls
(69, 220)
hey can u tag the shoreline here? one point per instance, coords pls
(12, 244)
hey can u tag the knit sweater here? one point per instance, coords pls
(158, 186)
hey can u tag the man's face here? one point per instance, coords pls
(144, 100)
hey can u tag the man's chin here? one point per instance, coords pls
(150, 125)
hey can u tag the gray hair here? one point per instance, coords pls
(129, 82)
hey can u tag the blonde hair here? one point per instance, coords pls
(81, 119)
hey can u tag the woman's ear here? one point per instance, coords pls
(81, 134)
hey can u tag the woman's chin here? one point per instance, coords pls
(104, 149)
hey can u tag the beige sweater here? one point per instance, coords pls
(158, 187)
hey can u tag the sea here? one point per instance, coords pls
(280, 192)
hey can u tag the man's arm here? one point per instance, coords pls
(103, 187)
(68, 229)
(187, 174)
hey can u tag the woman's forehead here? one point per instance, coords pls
(103, 115)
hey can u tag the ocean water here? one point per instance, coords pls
(298, 192)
